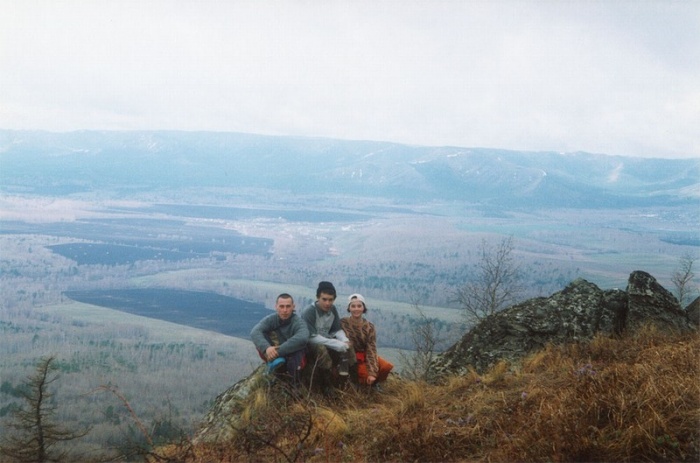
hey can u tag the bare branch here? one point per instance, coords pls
(682, 277)
(495, 285)
(425, 336)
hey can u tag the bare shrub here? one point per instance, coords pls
(495, 284)
(425, 335)
(682, 279)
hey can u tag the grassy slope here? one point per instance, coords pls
(632, 399)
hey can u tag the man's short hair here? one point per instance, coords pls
(325, 287)
(284, 296)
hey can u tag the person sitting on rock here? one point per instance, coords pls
(328, 345)
(371, 369)
(281, 338)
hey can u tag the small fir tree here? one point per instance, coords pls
(34, 432)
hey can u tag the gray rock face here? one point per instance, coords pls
(576, 313)
(221, 421)
(693, 311)
(649, 301)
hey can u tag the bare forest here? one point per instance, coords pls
(409, 264)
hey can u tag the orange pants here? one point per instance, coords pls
(385, 368)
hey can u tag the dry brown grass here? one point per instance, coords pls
(632, 399)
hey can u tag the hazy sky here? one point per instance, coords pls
(615, 77)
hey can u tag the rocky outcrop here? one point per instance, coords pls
(576, 313)
(221, 421)
(648, 301)
(693, 311)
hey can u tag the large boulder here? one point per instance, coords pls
(577, 313)
(649, 302)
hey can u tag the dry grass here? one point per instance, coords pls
(633, 399)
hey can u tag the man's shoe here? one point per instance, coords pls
(272, 366)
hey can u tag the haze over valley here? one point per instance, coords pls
(142, 258)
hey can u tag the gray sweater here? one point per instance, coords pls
(335, 338)
(292, 333)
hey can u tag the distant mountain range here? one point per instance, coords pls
(57, 164)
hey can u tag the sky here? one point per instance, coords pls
(615, 77)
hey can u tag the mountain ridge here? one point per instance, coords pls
(84, 160)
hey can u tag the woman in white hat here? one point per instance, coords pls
(371, 369)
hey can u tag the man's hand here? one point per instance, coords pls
(271, 353)
(371, 380)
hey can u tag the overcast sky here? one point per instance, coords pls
(614, 77)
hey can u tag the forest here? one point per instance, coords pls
(404, 260)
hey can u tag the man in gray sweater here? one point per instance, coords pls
(281, 338)
(329, 347)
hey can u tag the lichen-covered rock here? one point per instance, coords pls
(649, 302)
(577, 313)
(222, 419)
